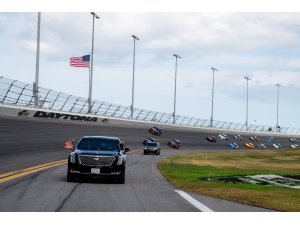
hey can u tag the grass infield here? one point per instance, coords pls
(185, 170)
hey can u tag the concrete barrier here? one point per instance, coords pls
(46, 114)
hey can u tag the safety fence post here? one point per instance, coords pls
(217, 123)
(84, 105)
(169, 118)
(190, 121)
(117, 109)
(196, 122)
(99, 108)
(8, 90)
(154, 117)
(107, 109)
(236, 126)
(229, 125)
(204, 121)
(71, 109)
(21, 94)
(161, 117)
(65, 102)
(139, 114)
(182, 120)
(124, 112)
(146, 115)
(55, 100)
(92, 106)
(45, 98)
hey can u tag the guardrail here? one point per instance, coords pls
(21, 94)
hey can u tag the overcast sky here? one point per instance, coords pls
(263, 46)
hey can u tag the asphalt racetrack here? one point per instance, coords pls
(27, 142)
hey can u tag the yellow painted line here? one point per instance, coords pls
(23, 172)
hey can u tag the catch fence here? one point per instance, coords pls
(21, 94)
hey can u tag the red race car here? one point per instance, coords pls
(174, 143)
(150, 139)
(155, 131)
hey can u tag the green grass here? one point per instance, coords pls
(184, 172)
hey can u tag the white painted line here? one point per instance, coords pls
(193, 201)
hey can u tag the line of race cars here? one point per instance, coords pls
(151, 145)
(250, 145)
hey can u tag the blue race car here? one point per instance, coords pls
(270, 139)
(232, 145)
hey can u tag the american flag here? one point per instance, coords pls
(83, 61)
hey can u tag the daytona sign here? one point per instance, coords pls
(64, 116)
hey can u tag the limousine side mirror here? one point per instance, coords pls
(69, 145)
(126, 150)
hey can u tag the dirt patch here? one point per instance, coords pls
(242, 163)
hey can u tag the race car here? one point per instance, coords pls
(222, 136)
(174, 143)
(261, 146)
(155, 130)
(277, 145)
(238, 137)
(249, 145)
(270, 139)
(150, 139)
(232, 145)
(253, 138)
(294, 146)
(293, 140)
(211, 138)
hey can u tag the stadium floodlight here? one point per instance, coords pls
(174, 112)
(133, 72)
(247, 78)
(92, 64)
(212, 96)
(37, 64)
(277, 126)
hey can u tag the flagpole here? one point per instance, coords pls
(90, 91)
(91, 65)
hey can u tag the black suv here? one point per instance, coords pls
(97, 157)
(152, 147)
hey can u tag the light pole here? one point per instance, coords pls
(92, 64)
(212, 97)
(247, 78)
(174, 112)
(37, 65)
(132, 96)
(277, 127)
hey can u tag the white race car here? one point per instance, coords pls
(253, 138)
(277, 146)
(294, 146)
(222, 136)
(238, 137)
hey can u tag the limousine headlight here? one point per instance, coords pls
(120, 160)
(72, 158)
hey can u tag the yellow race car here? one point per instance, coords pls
(249, 145)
